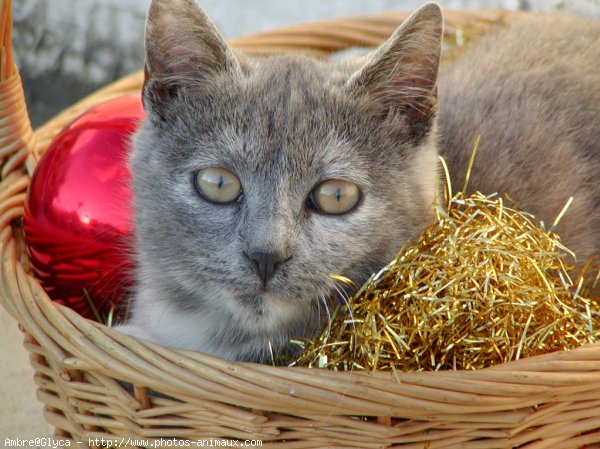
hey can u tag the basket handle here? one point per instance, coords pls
(17, 140)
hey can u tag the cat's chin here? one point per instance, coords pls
(232, 327)
(270, 310)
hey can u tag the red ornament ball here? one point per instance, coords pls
(77, 220)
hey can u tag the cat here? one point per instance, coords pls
(255, 179)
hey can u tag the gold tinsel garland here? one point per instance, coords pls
(481, 286)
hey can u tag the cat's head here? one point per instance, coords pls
(255, 179)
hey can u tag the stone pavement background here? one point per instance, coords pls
(68, 48)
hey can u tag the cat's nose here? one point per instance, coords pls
(266, 263)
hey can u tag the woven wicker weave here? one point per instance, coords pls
(551, 401)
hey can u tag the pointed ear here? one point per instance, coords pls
(183, 49)
(401, 75)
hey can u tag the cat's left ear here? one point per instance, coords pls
(183, 49)
(401, 75)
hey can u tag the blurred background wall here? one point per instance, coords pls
(67, 48)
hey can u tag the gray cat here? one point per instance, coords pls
(254, 179)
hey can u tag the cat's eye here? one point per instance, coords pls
(217, 185)
(334, 196)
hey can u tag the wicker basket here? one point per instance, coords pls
(551, 401)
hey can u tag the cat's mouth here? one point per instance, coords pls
(257, 302)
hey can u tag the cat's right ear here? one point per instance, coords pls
(401, 75)
(183, 50)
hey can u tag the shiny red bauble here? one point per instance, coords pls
(77, 221)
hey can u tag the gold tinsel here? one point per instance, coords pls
(481, 286)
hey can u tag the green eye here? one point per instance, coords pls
(334, 196)
(217, 185)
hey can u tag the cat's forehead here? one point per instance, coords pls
(281, 72)
(286, 112)
(288, 88)
(329, 156)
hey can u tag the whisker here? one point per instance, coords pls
(346, 299)
(329, 317)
